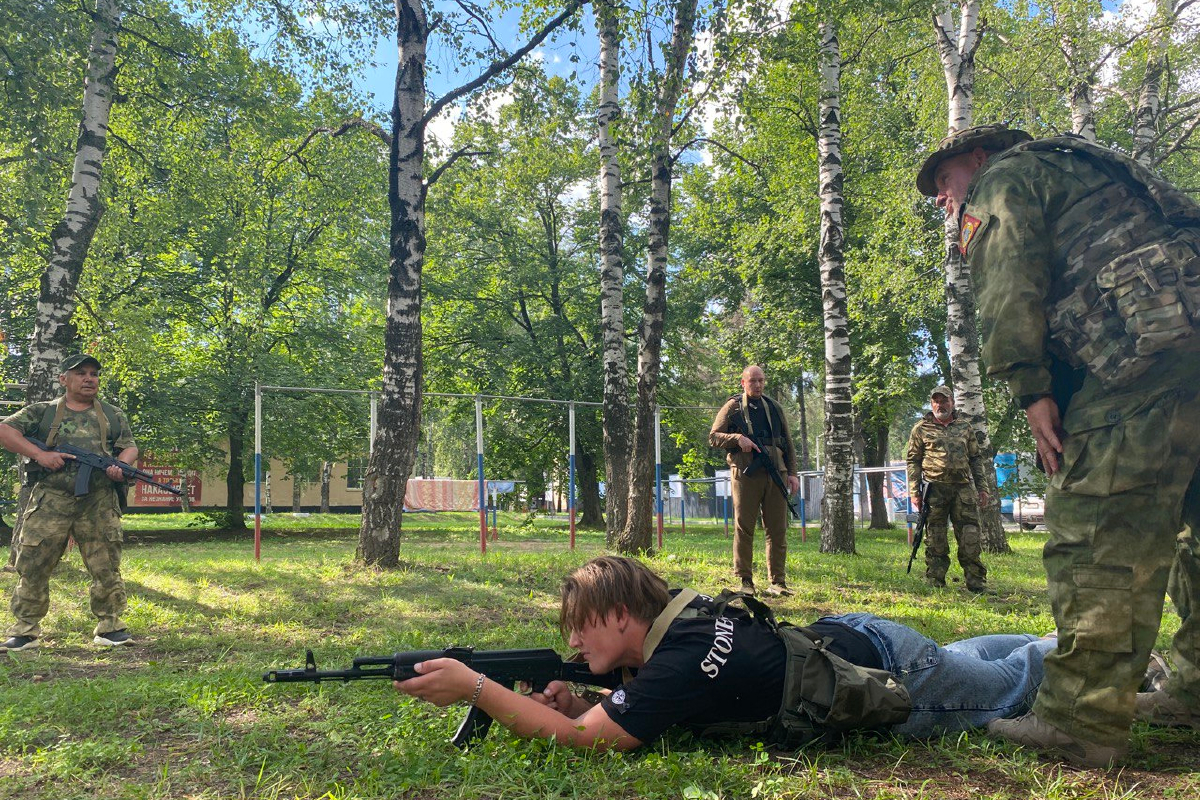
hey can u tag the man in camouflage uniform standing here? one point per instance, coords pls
(944, 452)
(1088, 273)
(54, 514)
(753, 414)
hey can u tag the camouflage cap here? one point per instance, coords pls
(990, 137)
(943, 390)
(77, 360)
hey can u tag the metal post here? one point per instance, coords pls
(909, 505)
(658, 471)
(571, 470)
(257, 471)
(682, 507)
(803, 513)
(483, 532)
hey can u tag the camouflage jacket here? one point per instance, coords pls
(1060, 237)
(80, 428)
(943, 454)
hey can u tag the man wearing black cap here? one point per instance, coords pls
(1087, 267)
(54, 514)
(943, 452)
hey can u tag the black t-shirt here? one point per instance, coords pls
(708, 670)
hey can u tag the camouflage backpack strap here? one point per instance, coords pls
(51, 421)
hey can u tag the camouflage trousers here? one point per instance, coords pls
(1129, 482)
(94, 521)
(1185, 572)
(958, 503)
(751, 493)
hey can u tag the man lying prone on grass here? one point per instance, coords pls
(703, 663)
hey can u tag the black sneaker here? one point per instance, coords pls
(16, 643)
(113, 639)
(748, 587)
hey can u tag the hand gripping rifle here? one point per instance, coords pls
(89, 461)
(920, 518)
(507, 667)
(762, 459)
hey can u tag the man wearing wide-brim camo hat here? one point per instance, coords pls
(1087, 269)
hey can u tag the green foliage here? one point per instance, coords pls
(184, 712)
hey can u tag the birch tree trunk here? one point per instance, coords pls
(53, 332)
(398, 426)
(1083, 106)
(837, 505)
(399, 412)
(637, 536)
(957, 51)
(615, 414)
(1149, 104)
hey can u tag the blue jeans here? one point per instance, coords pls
(960, 686)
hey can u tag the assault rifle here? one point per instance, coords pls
(762, 459)
(507, 667)
(920, 518)
(89, 461)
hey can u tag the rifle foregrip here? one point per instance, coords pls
(474, 728)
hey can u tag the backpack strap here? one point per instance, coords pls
(52, 418)
(102, 421)
(658, 628)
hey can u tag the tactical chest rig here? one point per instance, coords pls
(1132, 266)
(823, 694)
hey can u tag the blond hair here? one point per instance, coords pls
(610, 583)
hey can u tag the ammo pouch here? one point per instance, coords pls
(823, 693)
(1142, 303)
(1141, 298)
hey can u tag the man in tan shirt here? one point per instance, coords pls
(748, 423)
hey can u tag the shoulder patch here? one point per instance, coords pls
(969, 230)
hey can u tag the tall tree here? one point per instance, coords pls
(636, 536)
(957, 45)
(837, 505)
(616, 414)
(399, 417)
(71, 237)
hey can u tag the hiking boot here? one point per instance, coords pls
(748, 587)
(16, 643)
(113, 639)
(1035, 734)
(1160, 708)
(779, 589)
(937, 583)
(977, 588)
(1157, 673)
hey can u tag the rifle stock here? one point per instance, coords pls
(537, 667)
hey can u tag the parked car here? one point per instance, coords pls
(1029, 512)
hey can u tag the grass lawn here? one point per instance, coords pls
(185, 714)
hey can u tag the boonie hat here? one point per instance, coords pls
(77, 360)
(993, 137)
(942, 390)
